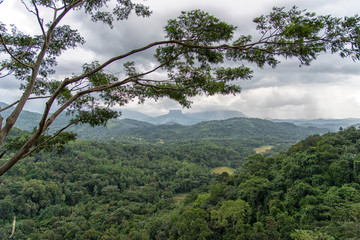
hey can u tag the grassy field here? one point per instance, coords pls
(220, 170)
(263, 149)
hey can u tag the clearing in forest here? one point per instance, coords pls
(180, 197)
(220, 170)
(263, 149)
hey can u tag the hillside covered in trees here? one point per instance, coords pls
(234, 128)
(143, 190)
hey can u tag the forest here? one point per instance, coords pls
(146, 190)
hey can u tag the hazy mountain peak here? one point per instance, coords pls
(175, 113)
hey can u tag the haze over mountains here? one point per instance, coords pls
(28, 120)
(177, 117)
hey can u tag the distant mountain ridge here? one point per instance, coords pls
(28, 120)
(234, 128)
(177, 117)
(332, 124)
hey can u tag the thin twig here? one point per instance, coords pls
(77, 86)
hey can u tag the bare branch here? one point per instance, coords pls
(155, 81)
(64, 5)
(27, 8)
(14, 103)
(40, 20)
(77, 85)
(158, 87)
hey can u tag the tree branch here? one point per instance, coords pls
(156, 81)
(40, 20)
(19, 56)
(25, 149)
(27, 8)
(158, 87)
(78, 3)
(1, 120)
(2, 154)
(7, 74)
(51, 138)
(13, 227)
(14, 103)
(14, 57)
(96, 89)
(181, 43)
(10, 121)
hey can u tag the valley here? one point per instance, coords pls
(136, 180)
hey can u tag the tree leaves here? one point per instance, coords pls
(121, 11)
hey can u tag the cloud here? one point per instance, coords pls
(328, 88)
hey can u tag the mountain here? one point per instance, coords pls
(176, 116)
(176, 125)
(173, 117)
(217, 115)
(332, 125)
(133, 115)
(27, 120)
(234, 128)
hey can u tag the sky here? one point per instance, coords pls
(329, 88)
